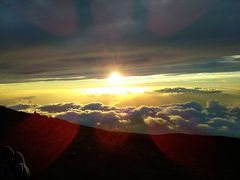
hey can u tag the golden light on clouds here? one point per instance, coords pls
(116, 89)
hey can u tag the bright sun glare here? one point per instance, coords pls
(115, 78)
(115, 85)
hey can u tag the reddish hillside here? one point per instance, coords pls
(56, 149)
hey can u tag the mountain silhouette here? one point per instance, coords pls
(57, 149)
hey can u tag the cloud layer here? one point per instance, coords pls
(135, 30)
(189, 90)
(191, 117)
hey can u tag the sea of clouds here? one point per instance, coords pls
(191, 117)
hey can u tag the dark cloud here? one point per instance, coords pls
(214, 108)
(62, 107)
(97, 106)
(107, 120)
(191, 117)
(27, 98)
(236, 113)
(20, 107)
(194, 105)
(198, 45)
(189, 90)
(48, 65)
(113, 19)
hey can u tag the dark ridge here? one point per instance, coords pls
(56, 149)
(10, 118)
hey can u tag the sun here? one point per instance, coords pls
(115, 78)
(116, 84)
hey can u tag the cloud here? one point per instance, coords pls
(25, 99)
(236, 113)
(54, 108)
(189, 90)
(183, 53)
(28, 98)
(135, 60)
(214, 108)
(93, 118)
(20, 107)
(191, 117)
(97, 106)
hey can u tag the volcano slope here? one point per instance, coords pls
(57, 149)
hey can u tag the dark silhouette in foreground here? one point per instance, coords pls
(56, 149)
(12, 165)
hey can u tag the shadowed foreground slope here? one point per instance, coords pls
(56, 149)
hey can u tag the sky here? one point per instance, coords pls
(131, 54)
